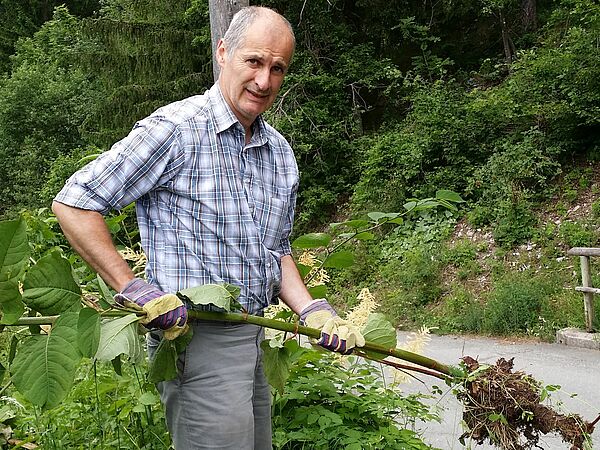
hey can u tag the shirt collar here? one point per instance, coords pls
(225, 118)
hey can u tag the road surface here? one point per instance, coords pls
(575, 370)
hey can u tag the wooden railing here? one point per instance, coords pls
(588, 290)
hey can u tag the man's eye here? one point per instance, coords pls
(252, 61)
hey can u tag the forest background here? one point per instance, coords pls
(496, 100)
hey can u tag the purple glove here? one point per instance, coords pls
(337, 335)
(164, 311)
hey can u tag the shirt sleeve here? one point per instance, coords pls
(149, 156)
(285, 247)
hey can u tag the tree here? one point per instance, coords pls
(221, 13)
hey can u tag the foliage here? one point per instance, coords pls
(516, 303)
(327, 405)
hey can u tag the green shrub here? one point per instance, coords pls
(515, 303)
(515, 224)
(459, 312)
(577, 234)
(327, 406)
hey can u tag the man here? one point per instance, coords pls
(215, 189)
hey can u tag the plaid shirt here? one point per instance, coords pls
(210, 209)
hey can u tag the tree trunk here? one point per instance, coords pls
(221, 12)
(529, 17)
(509, 47)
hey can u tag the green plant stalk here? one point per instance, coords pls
(296, 328)
(290, 327)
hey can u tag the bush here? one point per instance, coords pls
(515, 303)
(327, 406)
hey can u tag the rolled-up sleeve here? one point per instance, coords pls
(148, 157)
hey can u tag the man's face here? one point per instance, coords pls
(251, 76)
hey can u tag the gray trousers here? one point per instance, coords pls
(220, 399)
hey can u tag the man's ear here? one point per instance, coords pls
(221, 53)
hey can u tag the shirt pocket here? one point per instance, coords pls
(271, 215)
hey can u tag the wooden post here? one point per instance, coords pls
(221, 13)
(588, 297)
(584, 254)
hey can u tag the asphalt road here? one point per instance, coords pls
(575, 370)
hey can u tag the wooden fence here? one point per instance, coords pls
(588, 290)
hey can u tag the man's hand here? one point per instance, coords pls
(337, 334)
(164, 311)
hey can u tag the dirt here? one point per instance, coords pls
(506, 408)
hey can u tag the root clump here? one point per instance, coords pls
(506, 408)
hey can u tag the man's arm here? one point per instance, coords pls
(89, 236)
(293, 291)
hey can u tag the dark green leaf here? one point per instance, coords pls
(318, 291)
(2, 372)
(304, 270)
(106, 300)
(14, 249)
(44, 368)
(88, 332)
(163, 366)
(10, 302)
(379, 330)
(49, 287)
(451, 196)
(312, 240)
(339, 260)
(117, 365)
(181, 342)
(277, 361)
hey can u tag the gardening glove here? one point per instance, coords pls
(164, 311)
(337, 334)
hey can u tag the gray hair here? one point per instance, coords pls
(241, 21)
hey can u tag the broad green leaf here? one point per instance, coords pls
(49, 287)
(447, 204)
(312, 240)
(397, 221)
(383, 217)
(319, 291)
(182, 341)
(409, 206)
(339, 260)
(45, 365)
(163, 366)
(88, 332)
(427, 203)
(277, 361)
(220, 295)
(119, 337)
(148, 399)
(451, 196)
(379, 331)
(14, 249)
(10, 302)
(106, 300)
(304, 270)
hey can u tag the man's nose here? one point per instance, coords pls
(263, 78)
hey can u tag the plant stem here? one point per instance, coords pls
(414, 358)
(291, 327)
